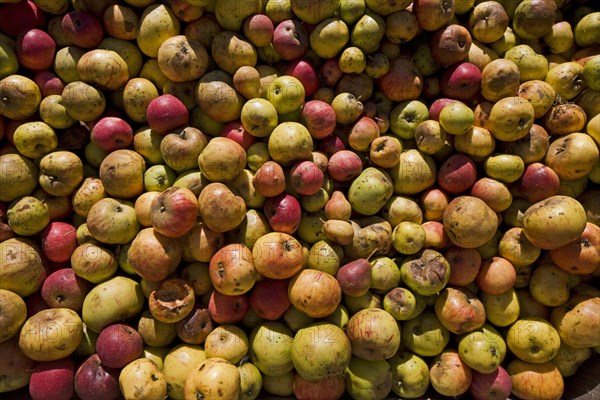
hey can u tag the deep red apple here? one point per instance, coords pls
(344, 165)
(82, 28)
(461, 81)
(118, 345)
(53, 380)
(438, 105)
(306, 177)
(319, 118)
(59, 240)
(63, 289)
(111, 133)
(330, 72)
(48, 82)
(538, 182)
(166, 113)
(290, 39)
(494, 386)
(331, 145)
(35, 49)
(269, 298)
(283, 213)
(304, 71)
(20, 16)
(174, 211)
(235, 131)
(224, 309)
(95, 381)
(457, 174)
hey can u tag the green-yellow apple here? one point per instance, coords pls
(142, 378)
(483, 349)
(410, 375)
(120, 229)
(213, 378)
(286, 93)
(178, 363)
(35, 139)
(18, 176)
(27, 216)
(533, 339)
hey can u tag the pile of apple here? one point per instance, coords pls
(220, 199)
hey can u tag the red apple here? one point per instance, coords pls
(435, 235)
(304, 71)
(330, 388)
(283, 213)
(459, 310)
(20, 16)
(269, 179)
(331, 144)
(319, 118)
(118, 345)
(438, 105)
(464, 265)
(330, 72)
(258, 29)
(53, 380)
(461, 81)
(224, 309)
(166, 113)
(48, 82)
(450, 44)
(538, 182)
(63, 289)
(344, 166)
(269, 298)
(35, 49)
(290, 39)
(494, 386)
(174, 211)
(58, 241)
(82, 28)
(235, 131)
(306, 177)
(111, 133)
(457, 174)
(95, 381)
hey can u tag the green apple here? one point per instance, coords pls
(53, 113)
(368, 379)
(456, 118)
(35, 139)
(8, 60)
(18, 176)
(250, 381)
(158, 178)
(14, 314)
(286, 93)
(483, 349)
(408, 237)
(425, 335)
(347, 108)
(271, 348)
(410, 375)
(560, 38)
(406, 116)
(504, 167)
(501, 309)
(28, 216)
(533, 339)
(329, 37)
(350, 11)
(591, 73)
(156, 354)
(259, 117)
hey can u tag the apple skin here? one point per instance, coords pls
(58, 241)
(174, 211)
(35, 49)
(224, 309)
(305, 72)
(82, 28)
(290, 39)
(283, 213)
(457, 174)
(235, 131)
(269, 298)
(95, 381)
(461, 81)
(111, 133)
(538, 182)
(318, 117)
(62, 288)
(306, 177)
(166, 113)
(494, 386)
(53, 380)
(20, 16)
(118, 345)
(344, 165)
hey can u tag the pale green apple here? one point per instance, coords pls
(28, 216)
(406, 116)
(456, 118)
(286, 94)
(35, 139)
(329, 37)
(158, 178)
(483, 349)
(410, 375)
(259, 117)
(533, 339)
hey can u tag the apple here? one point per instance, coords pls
(166, 113)
(305, 72)
(174, 211)
(457, 119)
(111, 133)
(258, 29)
(119, 229)
(344, 165)
(196, 326)
(269, 298)
(236, 131)
(58, 241)
(286, 93)
(53, 380)
(461, 81)
(492, 386)
(21, 16)
(459, 310)
(269, 179)
(225, 309)
(450, 44)
(122, 173)
(483, 349)
(449, 375)
(278, 255)
(118, 345)
(35, 49)
(212, 376)
(82, 28)
(63, 288)
(142, 378)
(438, 105)
(227, 341)
(536, 380)
(329, 388)
(180, 149)
(258, 119)
(306, 178)
(319, 118)
(153, 255)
